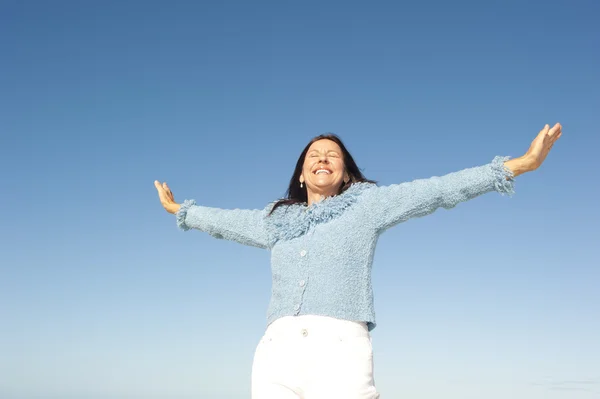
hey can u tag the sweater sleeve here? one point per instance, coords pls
(240, 225)
(393, 204)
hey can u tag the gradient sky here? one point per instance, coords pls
(102, 297)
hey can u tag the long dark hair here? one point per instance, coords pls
(297, 195)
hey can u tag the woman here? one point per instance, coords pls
(322, 237)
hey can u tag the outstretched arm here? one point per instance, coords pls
(390, 205)
(240, 225)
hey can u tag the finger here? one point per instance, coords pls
(162, 195)
(543, 132)
(553, 139)
(555, 129)
(545, 129)
(556, 137)
(168, 191)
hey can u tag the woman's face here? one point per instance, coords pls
(323, 170)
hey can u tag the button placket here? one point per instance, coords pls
(304, 267)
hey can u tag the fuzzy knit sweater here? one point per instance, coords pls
(321, 255)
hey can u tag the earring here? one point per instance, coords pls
(301, 185)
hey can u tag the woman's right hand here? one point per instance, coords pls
(166, 197)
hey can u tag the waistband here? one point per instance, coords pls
(321, 326)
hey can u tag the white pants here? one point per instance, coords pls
(314, 357)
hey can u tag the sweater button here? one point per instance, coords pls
(302, 283)
(304, 332)
(303, 253)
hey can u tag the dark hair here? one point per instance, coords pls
(297, 195)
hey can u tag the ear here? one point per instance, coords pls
(346, 178)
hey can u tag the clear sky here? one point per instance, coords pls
(102, 297)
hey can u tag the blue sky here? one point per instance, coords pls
(102, 297)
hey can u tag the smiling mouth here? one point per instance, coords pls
(322, 172)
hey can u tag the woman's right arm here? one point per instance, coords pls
(240, 225)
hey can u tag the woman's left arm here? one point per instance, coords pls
(390, 205)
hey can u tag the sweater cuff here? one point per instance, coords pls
(504, 181)
(182, 213)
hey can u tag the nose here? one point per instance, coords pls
(323, 158)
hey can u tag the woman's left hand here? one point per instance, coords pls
(538, 151)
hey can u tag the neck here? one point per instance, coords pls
(317, 196)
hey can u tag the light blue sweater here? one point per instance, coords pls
(321, 255)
